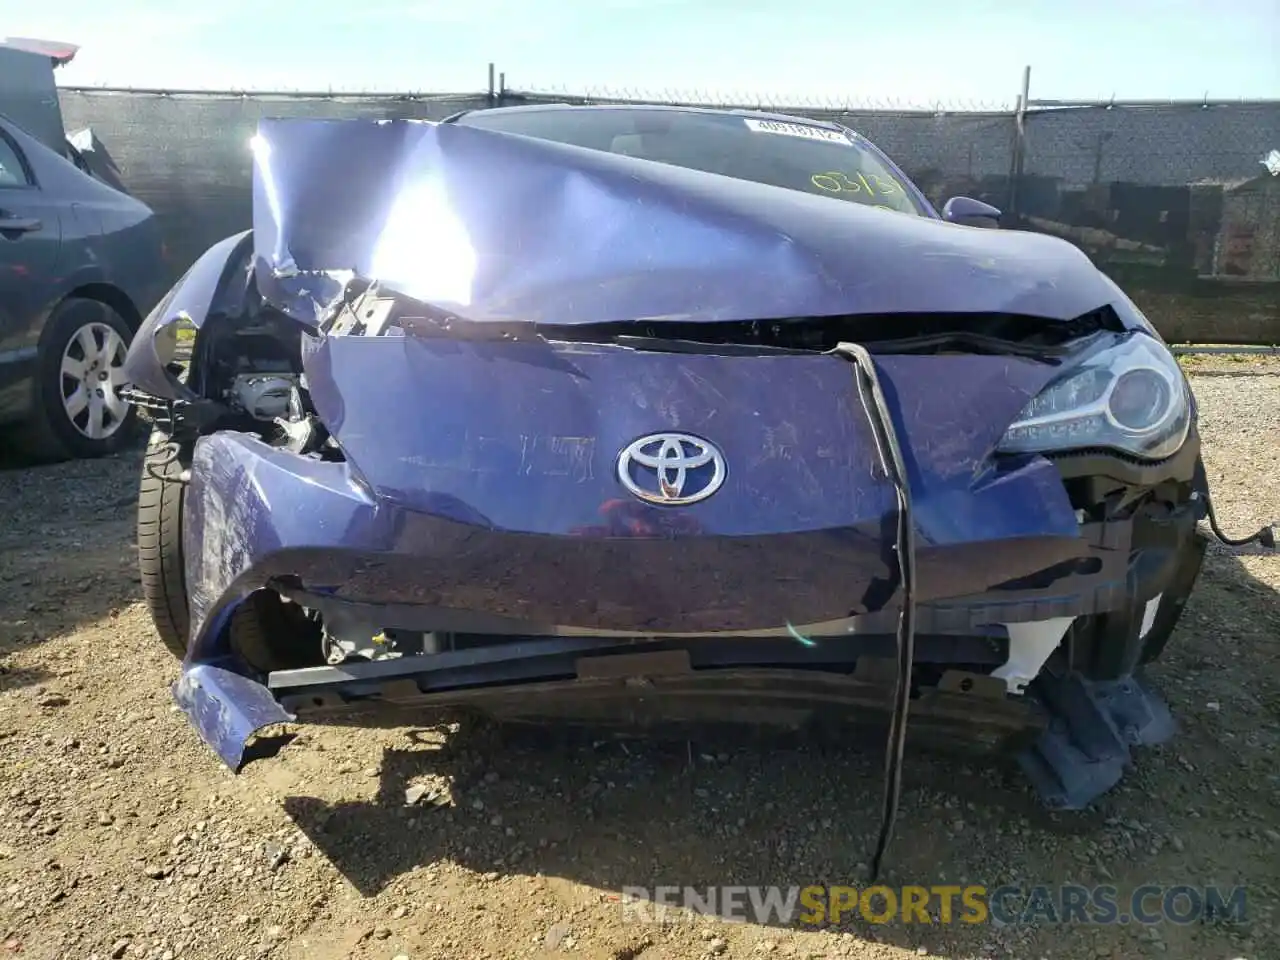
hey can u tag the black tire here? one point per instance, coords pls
(267, 633)
(270, 634)
(51, 434)
(160, 562)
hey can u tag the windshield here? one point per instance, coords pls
(795, 155)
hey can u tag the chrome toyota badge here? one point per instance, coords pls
(671, 469)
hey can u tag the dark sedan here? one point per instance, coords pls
(80, 265)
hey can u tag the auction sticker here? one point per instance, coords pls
(802, 130)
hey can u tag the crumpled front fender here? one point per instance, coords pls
(193, 299)
(243, 519)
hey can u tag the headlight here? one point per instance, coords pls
(1129, 397)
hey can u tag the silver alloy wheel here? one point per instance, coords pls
(92, 378)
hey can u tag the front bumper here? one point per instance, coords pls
(479, 499)
(1079, 731)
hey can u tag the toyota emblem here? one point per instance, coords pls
(671, 469)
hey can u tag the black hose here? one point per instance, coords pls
(171, 453)
(889, 451)
(891, 460)
(1265, 536)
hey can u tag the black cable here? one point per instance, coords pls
(889, 452)
(891, 460)
(1265, 536)
(171, 453)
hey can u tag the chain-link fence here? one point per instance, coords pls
(1172, 199)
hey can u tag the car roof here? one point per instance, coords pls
(655, 107)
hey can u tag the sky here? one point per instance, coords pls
(903, 52)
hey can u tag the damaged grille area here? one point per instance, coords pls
(366, 309)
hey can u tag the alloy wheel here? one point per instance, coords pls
(92, 380)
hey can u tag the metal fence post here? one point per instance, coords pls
(1019, 142)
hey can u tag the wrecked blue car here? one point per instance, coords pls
(660, 414)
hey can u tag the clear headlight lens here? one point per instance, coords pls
(1129, 397)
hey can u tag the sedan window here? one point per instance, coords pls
(12, 171)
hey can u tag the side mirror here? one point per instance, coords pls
(971, 213)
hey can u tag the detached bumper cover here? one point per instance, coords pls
(226, 708)
(769, 676)
(480, 495)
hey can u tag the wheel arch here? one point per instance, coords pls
(111, 296)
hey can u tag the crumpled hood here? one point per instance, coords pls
(496, 227)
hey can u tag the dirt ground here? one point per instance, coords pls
(121, 836)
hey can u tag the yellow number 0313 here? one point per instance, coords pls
(834, 182)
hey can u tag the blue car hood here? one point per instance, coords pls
(498, 227)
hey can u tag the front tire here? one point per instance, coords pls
(78, 411)
(160, 558)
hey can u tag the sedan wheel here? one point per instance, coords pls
(78, 409)
(92, 374)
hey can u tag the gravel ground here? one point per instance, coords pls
(122, 837)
